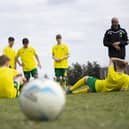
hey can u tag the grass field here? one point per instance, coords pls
(91, 111)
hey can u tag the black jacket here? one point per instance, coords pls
(113, 35)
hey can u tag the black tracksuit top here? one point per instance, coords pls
(116, 35)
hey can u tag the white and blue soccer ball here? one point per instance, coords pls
(42, 100)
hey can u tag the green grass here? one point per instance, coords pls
(91, 111)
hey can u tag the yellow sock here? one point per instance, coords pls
(81, 91)
(80, 83)
(64, 84)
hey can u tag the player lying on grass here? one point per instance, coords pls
(116, 80)
(10, 79)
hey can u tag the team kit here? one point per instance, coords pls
(28, 59)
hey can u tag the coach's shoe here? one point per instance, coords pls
(68, 91)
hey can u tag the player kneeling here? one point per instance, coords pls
(116, 80)
(10, 79)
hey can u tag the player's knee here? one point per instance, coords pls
(86, 77)
(35, 76)
(63, 78)
(57, 78)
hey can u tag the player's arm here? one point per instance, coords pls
(18, 75)
(17, 61)
(65, 57)
(67, 54)
(54, 58)
(38, 61)
(110, 62)
(118, 59)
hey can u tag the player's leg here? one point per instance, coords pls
(18, 84)
(79, 83)
(82, 91)
(57, 75)
(34, 73)
(64, 76)
(89, 81)
(27, 75)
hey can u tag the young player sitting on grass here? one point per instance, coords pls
(116, 80)
(10, 79)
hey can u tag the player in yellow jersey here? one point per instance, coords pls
(10, 52)
(29, 60)
(116, 80)
(10, 79)
(60, 55)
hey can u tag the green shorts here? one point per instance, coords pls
(32, 73)
(60, 72)
(91, 83)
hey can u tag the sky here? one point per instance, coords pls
(81, 22)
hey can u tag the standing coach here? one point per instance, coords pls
(116, 40)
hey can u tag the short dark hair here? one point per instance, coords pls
(10, 39)
(25, 41)
(119, 64)
(58, 36)
(3, 60)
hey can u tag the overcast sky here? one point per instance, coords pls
(81, 22)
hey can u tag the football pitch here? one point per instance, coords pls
(89, 111)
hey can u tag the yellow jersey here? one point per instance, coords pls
(60, 51)
(114, 82)
(7, 89)
(11, 54)
(27, 56)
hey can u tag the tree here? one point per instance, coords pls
(77, 71)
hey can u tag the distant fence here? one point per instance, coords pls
(104, 70)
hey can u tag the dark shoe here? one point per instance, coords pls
(68, 91)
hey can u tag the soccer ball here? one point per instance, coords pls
(42, 100)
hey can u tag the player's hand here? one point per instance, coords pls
(126, 62)
(116, 46)
(24, 80)
(58, 60)
(122, 89)
(21, 65)
(39, 65)
(116, 43)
